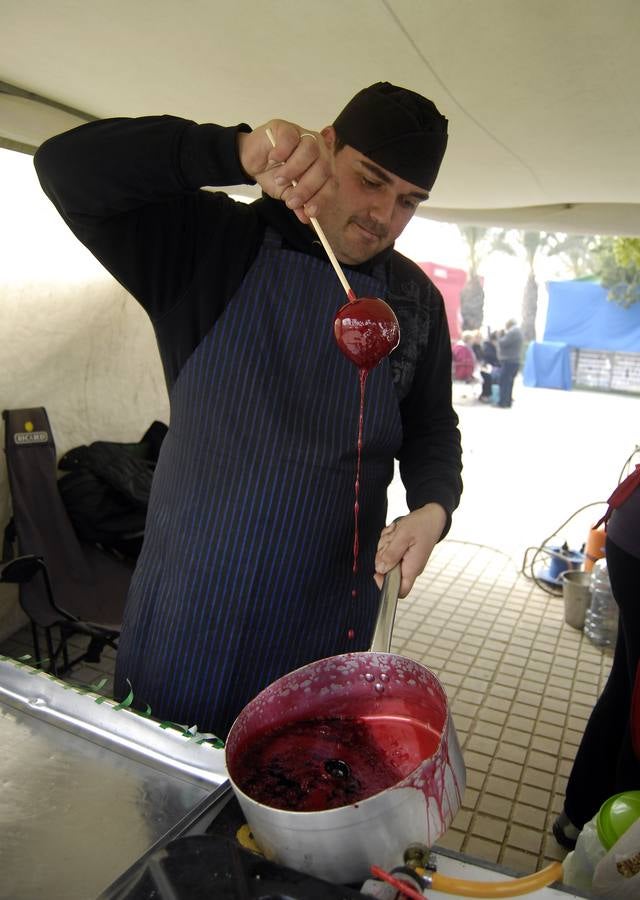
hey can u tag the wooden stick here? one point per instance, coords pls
(323, 240)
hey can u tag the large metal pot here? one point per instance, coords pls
(381, 689)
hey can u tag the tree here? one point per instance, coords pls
(472, 294)
(614, 261)
(579, 251)
(531, 244)
(480, 243)
(535, 243)
(618, 269)
(472, 302)
(627, 251)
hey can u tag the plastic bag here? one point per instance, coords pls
(617, 875)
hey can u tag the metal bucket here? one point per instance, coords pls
(404, 712)
(576, 593)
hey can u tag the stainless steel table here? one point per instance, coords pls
(86, 789)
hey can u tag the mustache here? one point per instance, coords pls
(380, 231)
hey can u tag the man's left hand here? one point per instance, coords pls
(409, 541)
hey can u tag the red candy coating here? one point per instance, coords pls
(366, 330)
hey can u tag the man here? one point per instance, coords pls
(510, 356)
(490, 367)
(247, 566)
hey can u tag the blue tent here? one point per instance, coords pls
(581, 315)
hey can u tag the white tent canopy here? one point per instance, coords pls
(541, 95)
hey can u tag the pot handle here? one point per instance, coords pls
(381, 641)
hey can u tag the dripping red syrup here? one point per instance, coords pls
(366, 330)
(356, 506)
(321, 764)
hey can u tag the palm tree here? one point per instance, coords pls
(480, 243)
(472, 294)
(532, 244)
(579, 251)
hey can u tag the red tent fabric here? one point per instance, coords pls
(450, 283)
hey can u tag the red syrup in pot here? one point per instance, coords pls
(321, 764)
(366, 330)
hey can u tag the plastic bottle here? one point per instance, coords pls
(601, 619)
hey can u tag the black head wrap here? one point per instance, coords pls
(398, 129)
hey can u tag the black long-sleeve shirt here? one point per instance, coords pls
(130, 190)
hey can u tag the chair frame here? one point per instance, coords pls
(23, 569)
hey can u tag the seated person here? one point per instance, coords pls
(464, 360)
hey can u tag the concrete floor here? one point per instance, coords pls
(521, 682)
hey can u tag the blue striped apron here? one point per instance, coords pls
(246, 572)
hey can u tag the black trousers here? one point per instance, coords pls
(605, 763)
(508, 372)
(487, 381)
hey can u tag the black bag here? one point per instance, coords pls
(106, 490)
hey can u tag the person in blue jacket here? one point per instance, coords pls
(246, 570)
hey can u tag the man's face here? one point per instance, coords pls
(366, 207)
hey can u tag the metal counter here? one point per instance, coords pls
(86, 789)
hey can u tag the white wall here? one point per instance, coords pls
(72, 340)
(87, 353)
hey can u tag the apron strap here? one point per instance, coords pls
(272, 238)
(620, 495)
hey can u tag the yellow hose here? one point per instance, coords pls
(513, 888)
(245, 838)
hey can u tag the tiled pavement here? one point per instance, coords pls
(521, 684)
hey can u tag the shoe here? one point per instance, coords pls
(565, 832)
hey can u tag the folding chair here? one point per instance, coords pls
(21, 571)
(82, 589)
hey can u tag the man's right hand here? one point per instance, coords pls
(298, 155)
